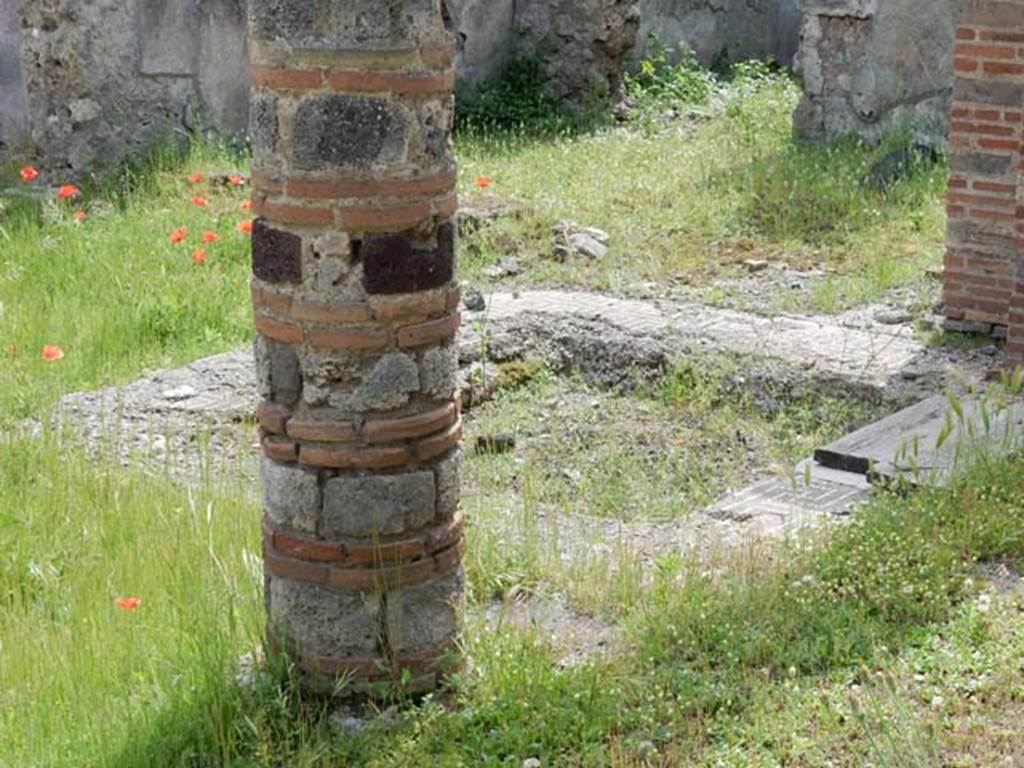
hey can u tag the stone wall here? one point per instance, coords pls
(582, 44)
(737, 29)
(984, 276)
(871, 66)
(84, 81)
(91, 82)
(13, 116)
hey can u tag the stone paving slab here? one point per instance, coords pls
(176, 419)
(184, 417)
(880, 357)
(928, 442)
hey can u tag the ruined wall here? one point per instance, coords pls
(85, 82)
(739, 29)
(97, 81)
(582, 44)
(869, 66)
(587, 42)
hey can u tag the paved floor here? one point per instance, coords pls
(173, 417)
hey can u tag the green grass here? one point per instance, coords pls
(752, 663)
(871, 644)
(687, 198)
(112, 291)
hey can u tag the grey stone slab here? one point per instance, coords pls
(872, 358)
(224, 63)
(930, 441)
(793, 501)
(809, 467)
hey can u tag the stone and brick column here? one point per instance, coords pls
(984, 281)
(356, 312)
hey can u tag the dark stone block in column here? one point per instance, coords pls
(348, 131)
(276, 255)
(392, 265)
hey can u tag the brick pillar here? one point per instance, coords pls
(356, 314)
(982, 261)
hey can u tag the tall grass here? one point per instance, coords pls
(112, 291)
(688, 195)
(88, 683)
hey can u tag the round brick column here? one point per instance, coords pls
(356, 314)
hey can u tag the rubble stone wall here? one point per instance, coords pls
(873, 66)
(85, 83)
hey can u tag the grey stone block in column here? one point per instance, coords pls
(323, 622)
(368, 505)
(291, 495)
(425, 616)
(347, 131)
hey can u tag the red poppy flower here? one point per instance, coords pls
(67, 192)
(236, 180)
(128, 603)
(178, 235)
(210, 237)
(195, 178)
(29, 174)
(201, 201)
(52, 352)
(199, 257)
(245, 227)
(81, 216)
(484, 182)
(247, 205)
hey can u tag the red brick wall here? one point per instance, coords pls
(984, 281)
